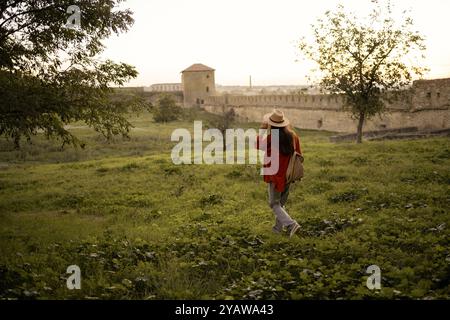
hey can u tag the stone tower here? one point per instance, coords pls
(198, 82)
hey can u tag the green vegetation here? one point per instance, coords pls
(363, 58)
(166, 109)
(52, 75)
(140, 227)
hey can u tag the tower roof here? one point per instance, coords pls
(197, 67)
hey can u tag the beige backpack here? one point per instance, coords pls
(295, 168)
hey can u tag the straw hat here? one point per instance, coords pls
(276, 119)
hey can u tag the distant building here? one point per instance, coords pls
(166, 87)
(198, 83)
(425, 105)
(260, 90)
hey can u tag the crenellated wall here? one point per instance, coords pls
(153, 96)
(426, 106)
(327, 102)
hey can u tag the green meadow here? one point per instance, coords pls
(140, 227)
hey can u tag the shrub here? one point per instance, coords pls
(166, 109)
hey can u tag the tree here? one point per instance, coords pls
(364, 58)
(166, 109)
(50, 74)
(225, 121)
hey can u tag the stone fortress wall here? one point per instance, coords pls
(425, 105)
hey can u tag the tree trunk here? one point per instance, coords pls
(360, 127)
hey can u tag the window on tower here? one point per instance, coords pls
(207, 89)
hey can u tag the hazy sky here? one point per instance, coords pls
(239, 38)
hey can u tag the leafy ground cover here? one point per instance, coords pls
(140, 227)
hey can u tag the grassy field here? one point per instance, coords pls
(140, 227)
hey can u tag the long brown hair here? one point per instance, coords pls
(286, 136)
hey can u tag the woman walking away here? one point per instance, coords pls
(277, 186)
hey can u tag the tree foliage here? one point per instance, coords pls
(226, 120)
(363, 58)
(50, 75)
(166, 109)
